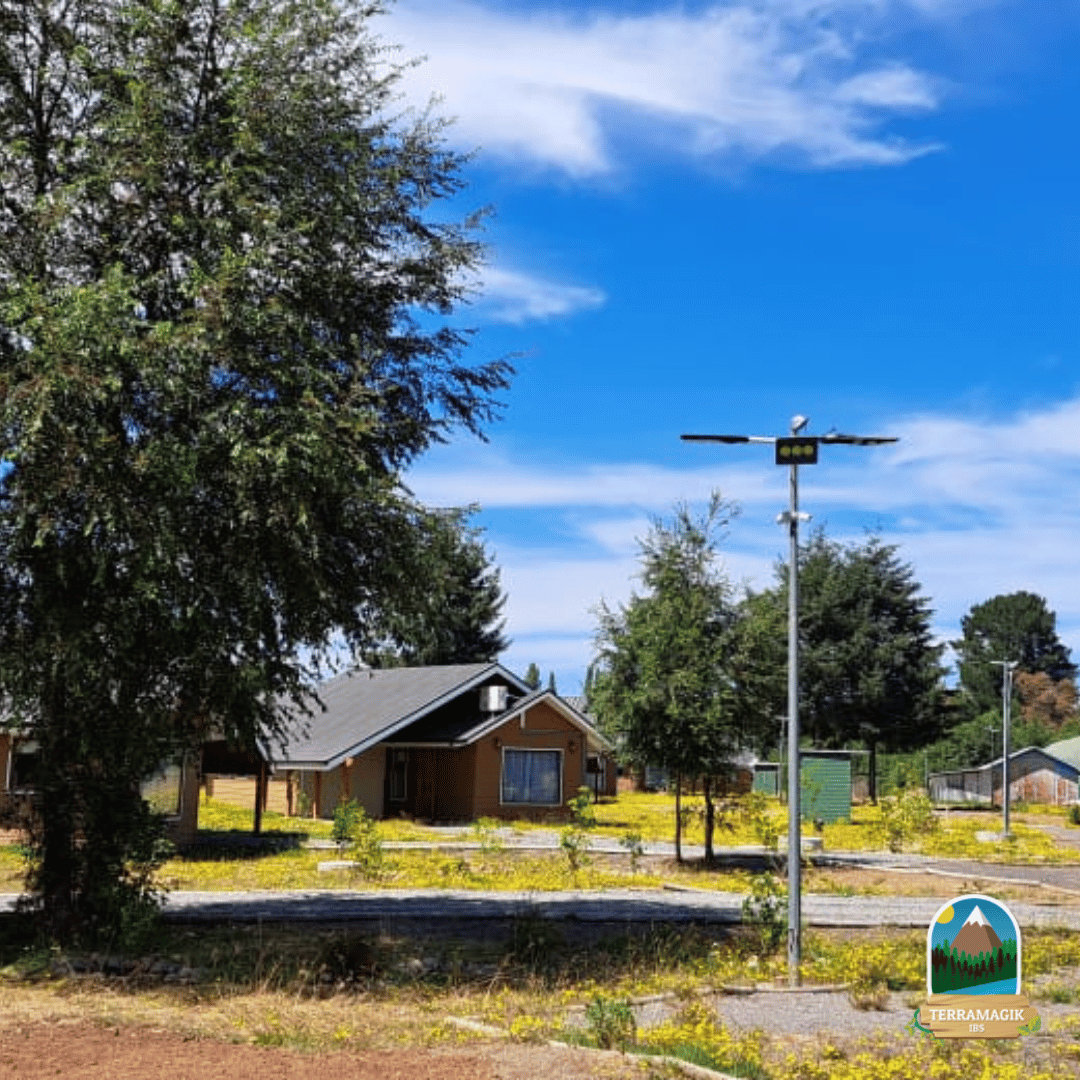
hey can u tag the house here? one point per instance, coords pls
(445, 743)
(173, 789)
(1036, 775)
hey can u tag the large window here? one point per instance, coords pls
(22, 766)
(532, 777)
(163, 790)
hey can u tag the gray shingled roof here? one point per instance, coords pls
(362, 708)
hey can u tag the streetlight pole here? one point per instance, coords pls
(794, 849)
(794, 450)
(1007, 669)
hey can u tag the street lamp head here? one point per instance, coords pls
(798, 423)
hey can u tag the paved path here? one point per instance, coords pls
(616, 905)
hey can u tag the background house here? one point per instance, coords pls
(445, 743)
(1036, 775)
(173, 790)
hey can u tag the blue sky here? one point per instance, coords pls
(711, 216)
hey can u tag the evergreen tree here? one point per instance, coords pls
(869, 670)
(531, 677)
(663, 687)
(1019, 627)
(223, 291)
(454, 609)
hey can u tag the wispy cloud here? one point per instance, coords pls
(978, 505)
(743, 79)
(511, 296)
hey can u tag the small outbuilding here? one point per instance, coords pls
(1036, 775)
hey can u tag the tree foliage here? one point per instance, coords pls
(454, 615)
(869, 670)
(223, 301)
(1016, 626)
(662, 686)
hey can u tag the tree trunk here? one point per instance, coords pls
(710, 819)
(678, 818)
(873, 771)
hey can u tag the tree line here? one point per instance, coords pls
(691, 670)
(954, 970)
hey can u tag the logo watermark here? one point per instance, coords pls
(973, 963)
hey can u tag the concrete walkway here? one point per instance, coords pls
(385, 906)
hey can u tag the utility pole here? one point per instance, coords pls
(794, 450)
(1007, 669)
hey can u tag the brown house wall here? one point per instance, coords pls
(180, 829)
(544, 729)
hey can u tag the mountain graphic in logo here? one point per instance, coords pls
(976, 935)
(974, 947)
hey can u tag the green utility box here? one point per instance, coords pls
(825, 786)
(766, 778)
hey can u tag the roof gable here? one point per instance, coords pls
(363, 708)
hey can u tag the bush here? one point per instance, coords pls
(346, 819)
(765, 913)
(904, 817)
(611, 1023)
(367, 851)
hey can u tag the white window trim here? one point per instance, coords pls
(25, 746)
(530, 750)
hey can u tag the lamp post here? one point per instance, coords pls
(1007, 669)
(794, 450)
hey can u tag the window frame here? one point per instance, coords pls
(20, 746)
(395, 761)
(559, 757)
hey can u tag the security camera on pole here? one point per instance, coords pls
(794, 450)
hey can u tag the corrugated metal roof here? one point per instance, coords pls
(1067, 750)
(364, 707)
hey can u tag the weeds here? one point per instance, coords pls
(905, 817)
(765, 912)
(611, 1023)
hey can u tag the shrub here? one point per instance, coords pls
(368, 856)
(611, 1023)
(765, 912)
(635, 848)
(906, 816)
(346, 818)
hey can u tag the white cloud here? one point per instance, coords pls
(978, 506)
(751, 78)
(512, 296)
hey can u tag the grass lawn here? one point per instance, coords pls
(325, 990)
(219, 864)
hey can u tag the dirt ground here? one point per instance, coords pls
(33, 1050)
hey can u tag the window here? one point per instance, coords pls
(22, 766)
(532, 777)
(163, 790)
(399, 764)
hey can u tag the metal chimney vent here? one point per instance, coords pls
(493, 699)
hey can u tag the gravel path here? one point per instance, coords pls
(613, 906)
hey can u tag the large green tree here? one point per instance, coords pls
(663, 684)
(869, 668)
(454, 615)
(1017, 627)
(225, 276)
